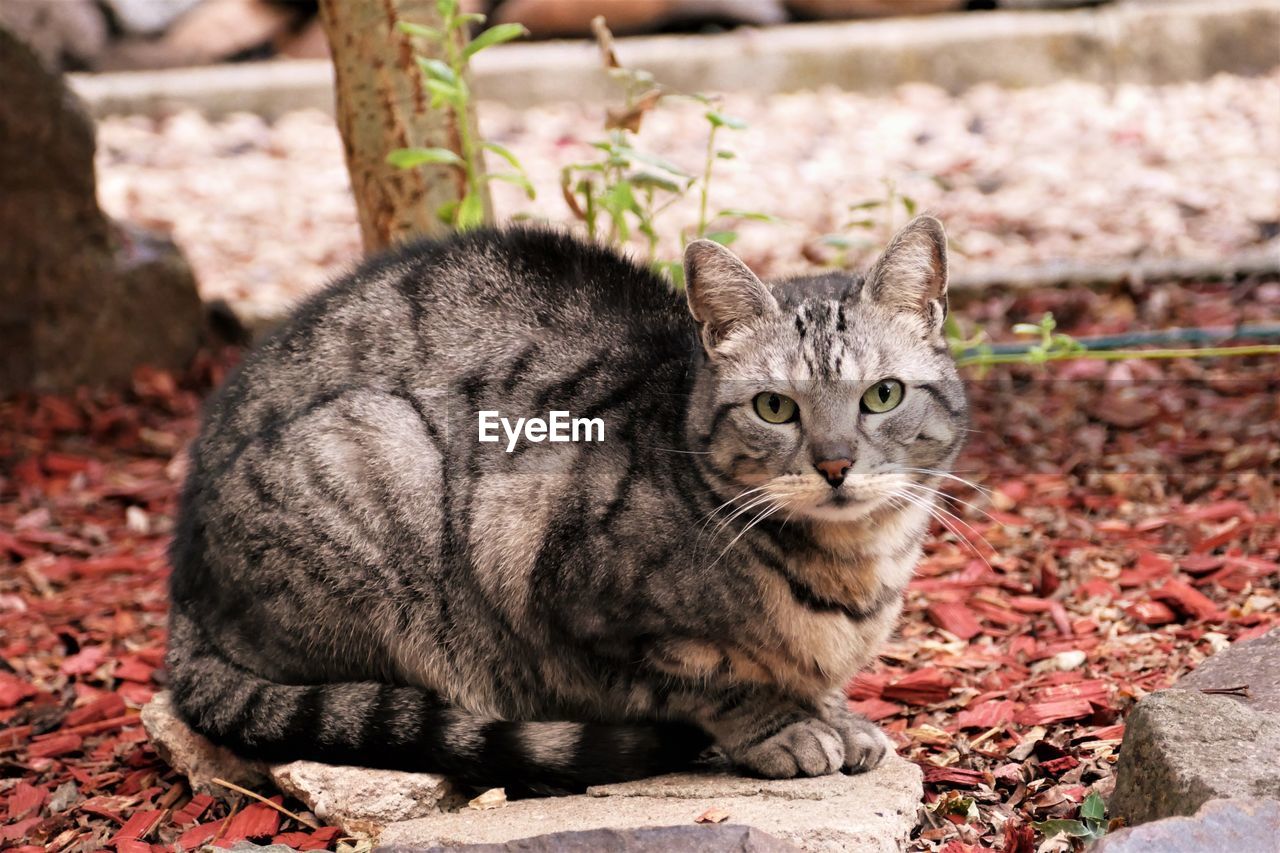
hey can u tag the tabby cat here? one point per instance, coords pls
(357, 579)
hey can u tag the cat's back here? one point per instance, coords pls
(496, 307)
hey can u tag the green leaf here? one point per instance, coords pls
(1093, 807)
(652, 159)
(719, 119)
(513, 178)
(494, 35)
(447, 8)
(752, 215)
(724, 238)
(436, 70)
(442, 92)
(649, 180)
(473, 18)
(909, 205)
(471, 212)
(419, 31)
(503, 152)
(447, 212)
(407, 158)
(726, 155)
(838, 241)
(1072, 828)
(870, 204)
(861, 223)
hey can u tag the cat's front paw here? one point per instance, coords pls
(809, 747)
(865, 745)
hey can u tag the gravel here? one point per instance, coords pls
(1073, 171)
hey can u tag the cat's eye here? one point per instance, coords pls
(776, 408)
(882, 397)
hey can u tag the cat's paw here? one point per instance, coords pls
(865, 745)
(808, 748)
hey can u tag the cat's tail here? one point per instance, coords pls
(406, 728)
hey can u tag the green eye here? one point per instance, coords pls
(776, 408)
(882, 397)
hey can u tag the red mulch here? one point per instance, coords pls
(1132, 529)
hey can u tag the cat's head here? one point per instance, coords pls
(833, 395)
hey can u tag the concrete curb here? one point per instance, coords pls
(1127, 42)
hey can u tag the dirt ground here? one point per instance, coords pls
(1074, 171)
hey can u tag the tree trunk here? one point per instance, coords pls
(382, 105)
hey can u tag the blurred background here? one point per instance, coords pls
(174, 177)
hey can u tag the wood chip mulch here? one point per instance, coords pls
(1131, 528)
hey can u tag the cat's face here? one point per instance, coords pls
(833, 397)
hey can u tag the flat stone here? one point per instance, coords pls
(723, 838)
(361, 800)
(1183, 747)
(873, 811)
(1241, 826)
(191, 754)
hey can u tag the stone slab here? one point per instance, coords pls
(1140, 43)
(714, 838)
(358, 799)
(1183, 747)
(872, 812)
(1238, 826)
(362, 800)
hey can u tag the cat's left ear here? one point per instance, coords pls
(911, 275)
(723, 292)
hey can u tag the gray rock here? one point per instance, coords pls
(1240, 826)
(358, 799)
(191, 754)
(1183, 747)
(724, 838)
(1254, 664)
(361, 800)
(873, 811)
(148, 17)
(82, 300)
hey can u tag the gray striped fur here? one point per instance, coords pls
(357, 579)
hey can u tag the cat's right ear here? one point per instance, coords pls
(723, 293)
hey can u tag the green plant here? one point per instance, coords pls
(874, 230)
(1091, 825)
(626, 189)
(446, 81)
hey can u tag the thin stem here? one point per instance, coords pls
(706, 181)
(1119, 355)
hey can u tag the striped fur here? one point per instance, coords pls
(357, 579)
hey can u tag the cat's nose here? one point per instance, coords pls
(834, 469)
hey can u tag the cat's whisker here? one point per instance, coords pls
(706, 519)
(933, 472)
(950, 526)
(943, 496)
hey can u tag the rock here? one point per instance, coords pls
(873, 811)
(1250, 664)
(562, 18)
(191, 754)
(841, 9)
(358, 799)
(66, 34)
(83, 301)
(148, 17)
(1183, 747)
(363, 801)
(1241, 826)
(209, 32)
(725, 838)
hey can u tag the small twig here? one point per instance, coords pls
(299, 818)
(1241, 690)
